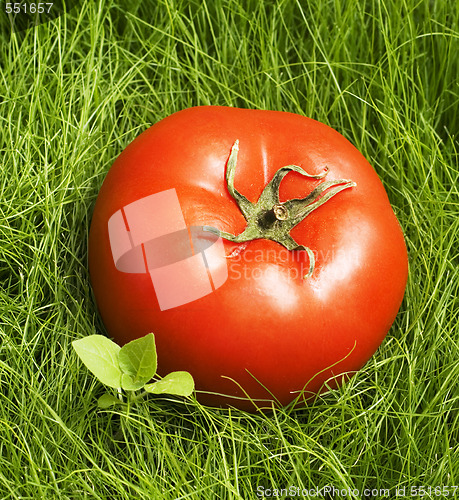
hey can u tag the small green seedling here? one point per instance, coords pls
(130, 367)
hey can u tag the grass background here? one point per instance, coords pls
(74, 92)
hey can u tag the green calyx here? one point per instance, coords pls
(271, 219)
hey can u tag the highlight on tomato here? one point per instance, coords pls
(259, 247)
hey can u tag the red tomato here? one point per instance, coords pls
(310, 295)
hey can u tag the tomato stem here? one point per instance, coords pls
(271, 219)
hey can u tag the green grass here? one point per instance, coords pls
(75, 92)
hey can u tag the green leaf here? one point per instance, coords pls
(107, 400)
(138, 361)
(178, 383)
(129, 384)
(100, 355)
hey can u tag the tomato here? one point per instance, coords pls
(261, 281)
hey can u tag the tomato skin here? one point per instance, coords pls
(266, 325)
